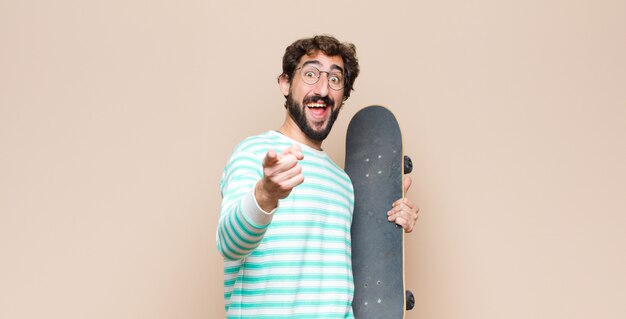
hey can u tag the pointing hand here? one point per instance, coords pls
(281, 173)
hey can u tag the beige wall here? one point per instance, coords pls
(116, 118)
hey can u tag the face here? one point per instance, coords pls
(314, 107)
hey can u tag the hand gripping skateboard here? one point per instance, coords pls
(376, 165)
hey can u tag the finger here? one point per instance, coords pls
(407, 183)
(281, 183)
(404, 223)
(408, 227)
(399, 211)
(286, 171)
(404, 212)
(402, 201)
(278, 162)
(291, 179)
(270, 159)
(286, 163)
(295, 180)
(395, 209)
(294, 150)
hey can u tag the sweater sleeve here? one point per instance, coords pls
(242, 222)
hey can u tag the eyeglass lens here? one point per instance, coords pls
(311, 75)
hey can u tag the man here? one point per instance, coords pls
(284, 228)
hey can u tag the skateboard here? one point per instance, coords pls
(376, 165)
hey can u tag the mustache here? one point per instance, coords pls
(316, 98)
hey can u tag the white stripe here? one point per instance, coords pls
(303, 297)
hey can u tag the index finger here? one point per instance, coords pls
(270, 159)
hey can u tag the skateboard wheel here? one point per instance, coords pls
(410, 300)
(408, 165)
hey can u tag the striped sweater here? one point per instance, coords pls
(294, 262)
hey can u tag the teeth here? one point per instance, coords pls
(316, 105)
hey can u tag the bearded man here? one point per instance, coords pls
(284, 227)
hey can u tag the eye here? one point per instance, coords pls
(310, 74)
(336, 79)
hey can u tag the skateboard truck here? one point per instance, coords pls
(410, 300)
(408, 165)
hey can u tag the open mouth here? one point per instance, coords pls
(318, 106)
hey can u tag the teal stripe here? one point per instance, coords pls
(255, 237)
(317, 156)
(260, 229)
(230, 282)
(252, 240)
(346, 186)
(224, 249)
(296, 264)
(278, 224)
(316, 277)
(324, 189)
(257, 231)
(232, 269)
(293, 291)
(314, 198)
(325, 168)
(316, 204)
(244, 179)
(232, 242)
(288, 304)
(335, 213)
(261, 146)
(228, 242)
(244, 163)
(307, 238)
(326, 315)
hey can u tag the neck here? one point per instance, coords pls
(291, 130)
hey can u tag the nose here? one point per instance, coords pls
(321, 87)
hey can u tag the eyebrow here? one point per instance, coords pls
(318, 63)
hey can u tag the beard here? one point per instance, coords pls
(296, 112)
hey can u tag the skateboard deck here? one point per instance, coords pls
(376, 165)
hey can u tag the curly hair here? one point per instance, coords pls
(328, 45)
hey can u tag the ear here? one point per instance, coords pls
(284, 84)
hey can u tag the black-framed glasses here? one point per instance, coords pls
(310, 75)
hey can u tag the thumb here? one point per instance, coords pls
(407, 183)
